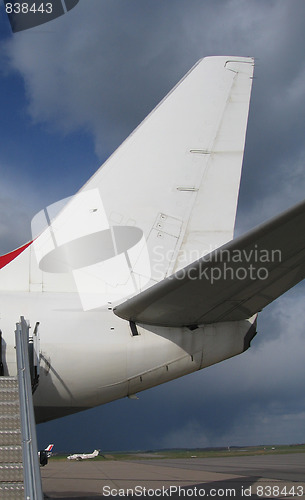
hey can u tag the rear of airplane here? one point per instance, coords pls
(165, 198)
(121, 277)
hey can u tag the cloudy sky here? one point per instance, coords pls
(70, 92)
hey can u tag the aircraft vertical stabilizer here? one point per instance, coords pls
(167, 196)
(177, 176)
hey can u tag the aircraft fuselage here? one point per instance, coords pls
(91, 358)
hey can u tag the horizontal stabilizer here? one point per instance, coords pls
(232, 283)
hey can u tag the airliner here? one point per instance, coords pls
(137, 280)
(83, 456)
(48, 450)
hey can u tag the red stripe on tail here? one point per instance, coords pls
(7, 258)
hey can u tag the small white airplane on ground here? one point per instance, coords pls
(83, 456)
(136, 280)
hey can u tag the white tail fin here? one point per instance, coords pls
(177, 176)
(164, 198)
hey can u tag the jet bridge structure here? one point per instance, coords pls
(19, 464)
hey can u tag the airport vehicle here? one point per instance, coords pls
(136, 280)
(83, 456)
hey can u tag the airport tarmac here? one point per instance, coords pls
(271, 476)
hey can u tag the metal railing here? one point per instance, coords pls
(32, 478)
(33, 346)
(1, 363)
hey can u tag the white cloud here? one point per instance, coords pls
(104, 66)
